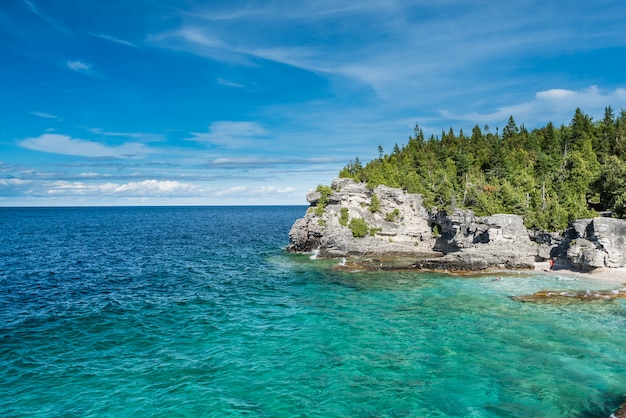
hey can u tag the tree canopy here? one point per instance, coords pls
(549, 175)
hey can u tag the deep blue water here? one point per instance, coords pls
(199, 312)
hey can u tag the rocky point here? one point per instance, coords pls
(350, 219)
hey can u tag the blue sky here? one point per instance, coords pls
(183, 102)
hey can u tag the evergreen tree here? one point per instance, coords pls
(550, 176)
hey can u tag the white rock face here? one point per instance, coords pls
(400, 225)
(476, 243)
(596, 243)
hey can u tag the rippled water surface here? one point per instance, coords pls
(200, 312)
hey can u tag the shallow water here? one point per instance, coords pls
(201, 312)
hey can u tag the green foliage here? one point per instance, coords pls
(611, 185)
(375, 204)
(343, 218)
(548, 175)
(392, 216)
(352, 170)
(620, 206)
(359, 227)
(322, 202)
(374, 231)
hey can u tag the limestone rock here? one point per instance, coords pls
(547, 244)
(546, 296)
(398, 226)
(595, 243)
(476, 243)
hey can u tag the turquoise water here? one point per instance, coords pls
(199, 312)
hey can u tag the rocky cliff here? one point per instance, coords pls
(397, 223)
(352, 220)
(469, 242)
(594, 243)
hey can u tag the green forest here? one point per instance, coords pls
(550, 175)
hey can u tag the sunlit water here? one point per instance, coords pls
(200, 312)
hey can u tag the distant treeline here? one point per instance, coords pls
(549, 175)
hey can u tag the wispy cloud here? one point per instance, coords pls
(113, 39)
(12, 182)
(83, 68)
(66, 145)
(401, 49)
(148, 137)
(228, 83)
(550, 105)
(91, 174)
(200, 41)
(80, 66)
(56, 24)
(145, 188)
(239, 191)
(225, 162)
(232, 134)
(44, 115)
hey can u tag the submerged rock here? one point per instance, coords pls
(546, 296)
(620, 412)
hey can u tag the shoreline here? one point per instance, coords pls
(614, 276)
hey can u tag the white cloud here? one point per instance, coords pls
(227, 83)
(13, 182)
(245, 191)
(44, 115)
(79, 66)
(113, 39)
(157, 188)
(200, 37)
(229, 162)
(83, 68)
(402, 50)
(553, 105)
(92, 174)
(237, 190)
(46, 18)
(231, 134)
(200, 42)
(154, 188)
(145, 188)
(66, 145)
(137, 135)
(555, 94)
